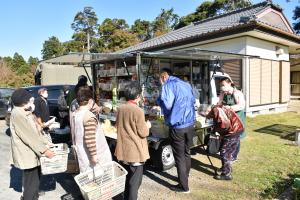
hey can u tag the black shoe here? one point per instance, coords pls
(178, 188)
(223, 177)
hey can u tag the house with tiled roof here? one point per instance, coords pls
(261, 32)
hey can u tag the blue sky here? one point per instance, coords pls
(26, 24)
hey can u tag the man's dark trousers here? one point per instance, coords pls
(31, 183)
(181, 140)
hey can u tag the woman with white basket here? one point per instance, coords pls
(27, 143)
(90, 143)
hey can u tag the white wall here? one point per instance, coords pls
(237, 45)
(61, 74)
(265, 49)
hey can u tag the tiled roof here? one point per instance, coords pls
(213, 24)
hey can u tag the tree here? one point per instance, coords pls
(212, 8)
(165, 22)
(32, 62)
(296, 17)
(121, 39)
(73, 46)
(108, 26)
(86, 22)
(115, 35)
(52, 48)
(8, 61)
(20, 76)
(19, 65)
(142, 29)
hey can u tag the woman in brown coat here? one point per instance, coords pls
(132, 146)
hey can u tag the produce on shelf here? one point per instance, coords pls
(107, 106)
(108, 128)
(159, 128)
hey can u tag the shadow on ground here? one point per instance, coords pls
(281, 189)
(156, 174)
(284, 131)
(48, 183)
(67, 182)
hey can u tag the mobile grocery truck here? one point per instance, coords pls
(112, 72)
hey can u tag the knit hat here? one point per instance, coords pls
(20, 97)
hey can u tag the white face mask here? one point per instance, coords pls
(225, 88)
(45, 95)
(30, 105)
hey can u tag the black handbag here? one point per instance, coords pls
(213, 143)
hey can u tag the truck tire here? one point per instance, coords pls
(165, 158)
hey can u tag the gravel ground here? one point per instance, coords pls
(62, 186)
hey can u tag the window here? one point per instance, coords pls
(54, 93)
(295, 77)
(295, 83)
(5, 92)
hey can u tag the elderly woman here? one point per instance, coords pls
(132, 146)
(27, 143)
(234, 99)
(90, 143)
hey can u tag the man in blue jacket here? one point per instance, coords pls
(177, 104)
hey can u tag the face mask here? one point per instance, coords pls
(30, 106)
(225, 88)
(45, 95)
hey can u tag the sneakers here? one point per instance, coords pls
(178, 188)
(223, 177)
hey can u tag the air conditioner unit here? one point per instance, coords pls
(279, 51)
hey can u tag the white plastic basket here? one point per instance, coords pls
(58, 163)
(104, 182)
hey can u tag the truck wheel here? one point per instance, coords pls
(165, 157)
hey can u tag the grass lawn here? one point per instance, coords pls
(268, 160)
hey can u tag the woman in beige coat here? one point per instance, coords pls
(132, 146)
(27, 143)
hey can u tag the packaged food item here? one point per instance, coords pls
(108, 128)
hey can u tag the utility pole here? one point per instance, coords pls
(88, 35)
(88, 41)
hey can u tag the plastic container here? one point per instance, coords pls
(102, 182)
(58, 163)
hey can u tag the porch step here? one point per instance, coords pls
(294, 106)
